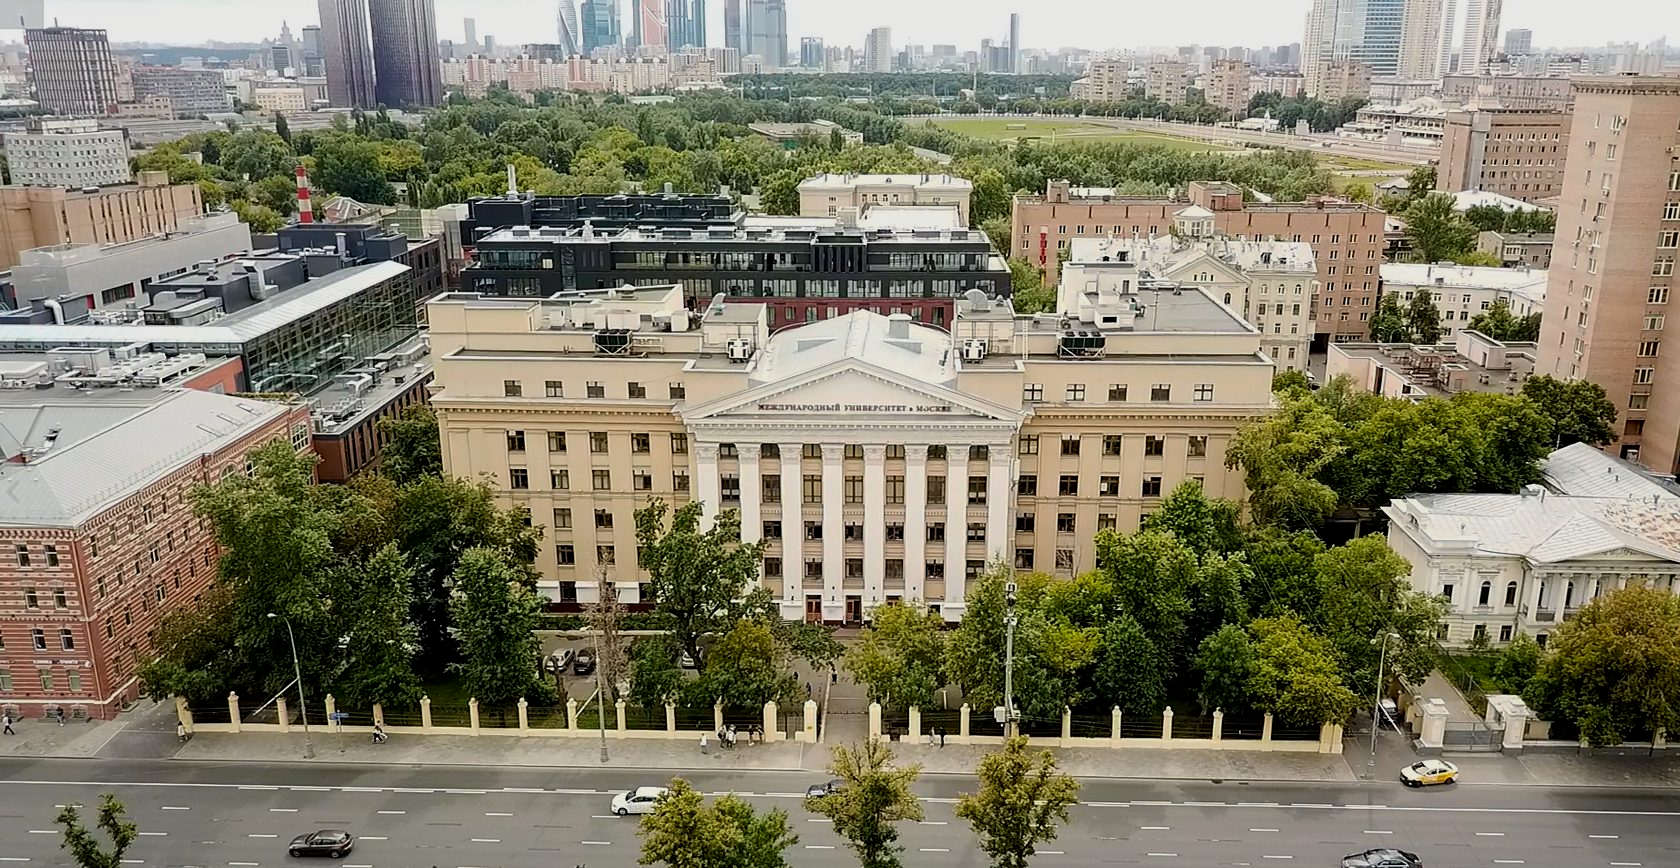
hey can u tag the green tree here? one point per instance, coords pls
(1423, 318)
(212, 194)
(1437, 231)
(278, 193)
(695, 574)
(257, 154)
(1486, 218)
(1360, 191)
(1496, 322)
(1294, 674)
(282, 128)
(1027, 290)
(764, 838)
(1579, 410)
(746, 669)
(1022, 800)
(1223, 662)
(682, 832)
(412, 445)
(1131, 670)
(382, 642)
(654, 676)
(1291, 381)
(495, 612)
(1614, 669)
(899, 656)
(1517, 663)
(874, 797)
(779, 193)
(84, 847)
(1478, 258)
(349, 166)
(1420, 182)
(1152, 574)
(1388, 323)
(1282, 458)
(260, 218)
(1205, 525)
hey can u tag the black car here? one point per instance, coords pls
(1382, 857)
(584, 662)
(826, 788)
(327, 842)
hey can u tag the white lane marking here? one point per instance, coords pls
(1166, 855)
(362, 789)
(1604, 837)
(1049, 852)
(158, 834)
(1262, 830)
(597, 843)
(1314, 805)
(142, 862)
(818, 820)
(374, 838)
(253, 787)
(1277, 857)
(486, 840)
(43, 831)
(819, 846)
(1257, 804)
(259, 835)
(1156, 828)
(464, 792)
(175, 808)
(1378, 832)
(785, 795)
(496, 814)
(935, 850)
(413, 790)
(1142, 802)
(393, 812)
(1628, 864)
(312, 790)
(1205, 804)
(1105, 805)
(244, 864)
(510, 790)
(357, 866)
(14, 858)
(282, 810)
(933, 823)
(1507, 861)
(577, 792)
(1490, 834)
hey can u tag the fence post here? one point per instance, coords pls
(285, 718)
(771, 731)
(670, 719)
(717, 716)
(1166, 724)
(233, 710)
(378, 714)
(571, 714)
(1218, 725)
(1067, 725)
(962, 725)
(332, 708)
(1266, 732)
(915, 725)
(874, 721)
(472, 714)
(425, 714)
(183, 713)
(524, 717)
(618, 706)
(810, 721)
(1114, 730)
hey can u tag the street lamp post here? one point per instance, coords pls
(1009, 660)
(1376, 701)
(297, 672)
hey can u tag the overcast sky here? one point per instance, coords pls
(1045, 23)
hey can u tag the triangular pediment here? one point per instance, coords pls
(850, 391)
(1205, 262)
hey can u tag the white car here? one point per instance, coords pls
(640, 800)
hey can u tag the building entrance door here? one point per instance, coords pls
(854, 610)
(813, 609)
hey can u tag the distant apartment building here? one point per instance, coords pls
(192, 92)
(1612, 274)
(1347, 238)
(1422, 48)
(829, 194)
(878, 50)
(67, 153)
(32, 217)
(1519, 40)
(1168, 81)
(1286, 83)
(1463, 292)
(1342, 79)
(1227, 86)
(1541, 93)
(1518, 153)
(71, 70)
(1104, 81)
(285, 97)
(1469, 362)
(1532, 249)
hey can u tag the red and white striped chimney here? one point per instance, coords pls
(306, 211)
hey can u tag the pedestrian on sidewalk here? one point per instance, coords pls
(807, 690)
(833, 675)
(7, 720)
(941, 732)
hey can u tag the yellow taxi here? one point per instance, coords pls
(1428, 773)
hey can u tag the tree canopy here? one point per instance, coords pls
(873, 798)
(684, 832)
(1613, 671)
(1022, 799)
(695, 574)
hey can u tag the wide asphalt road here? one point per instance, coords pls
(213, 815)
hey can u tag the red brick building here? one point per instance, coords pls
(98, 540)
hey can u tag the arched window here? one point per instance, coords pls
(1511, 594)
(1297, 289)
(1227, 298)
(1486, 595)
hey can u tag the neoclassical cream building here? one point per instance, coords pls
(876, 457)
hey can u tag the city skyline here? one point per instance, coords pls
(1048, 24)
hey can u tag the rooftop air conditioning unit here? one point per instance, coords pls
(974, 350)
(740, 349)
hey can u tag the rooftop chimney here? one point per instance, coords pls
(513, 183)
(306, 211)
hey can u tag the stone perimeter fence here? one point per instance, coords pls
(1122, 733)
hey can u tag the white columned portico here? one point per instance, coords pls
(834, 531)
(874, 524)
(956, 530)
(793, 532)
(1538, 582)
(752, 494)
(710, 484)
(915, 522)
(998, 500)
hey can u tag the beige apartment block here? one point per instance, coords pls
(1612, 273)
(876, 458)
(32, 217)
(1518, 153)
(1346, 238)
(1535, 92)
(828, 194)
(1168, 80)
(1343, 79)
(1227, 85)
(1104, 81)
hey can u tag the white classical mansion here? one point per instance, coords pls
(1510, 563)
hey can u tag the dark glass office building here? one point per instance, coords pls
(804, 274)
(681, 211)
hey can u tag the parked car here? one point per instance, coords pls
(560, 660)
(826, 788)
(332, 843)
(1382, 857)
(1429, 773)
(640, 800)
(584, 662)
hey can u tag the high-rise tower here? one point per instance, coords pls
(72, 70)
(570, 29)
(404, 38)
(347, 52)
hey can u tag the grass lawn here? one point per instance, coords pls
(999, 129)
(1479, 667)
